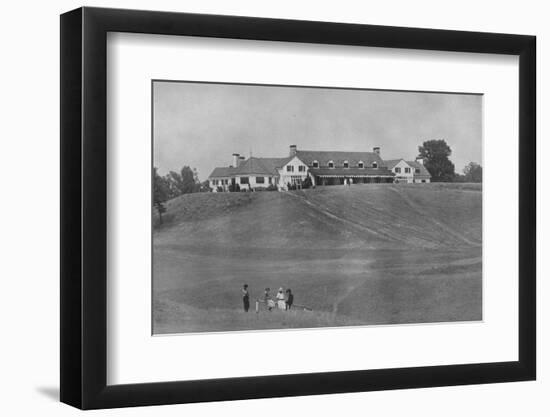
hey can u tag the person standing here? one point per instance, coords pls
(281, 304)
(268, 301)
(289, 299)
(246, 298)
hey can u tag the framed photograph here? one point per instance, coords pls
(260, 208)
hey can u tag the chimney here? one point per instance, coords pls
(235, 160)
(376, 150)
(241, 160)
(420, 161)
(292, 150)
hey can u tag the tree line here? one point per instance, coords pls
(173, 185)
(435, 154)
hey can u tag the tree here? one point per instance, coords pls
(184, 182)
(459, 178)
(189, 180)
(204, 187)
(473, 172)
(435, 154)
(160, 193)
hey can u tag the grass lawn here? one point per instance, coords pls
(366, 254)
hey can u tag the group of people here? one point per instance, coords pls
(283, 299)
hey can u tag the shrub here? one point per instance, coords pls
(234, 188)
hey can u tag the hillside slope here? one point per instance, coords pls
(365, 254)
(373, 216)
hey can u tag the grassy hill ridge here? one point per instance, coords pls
(375, 216)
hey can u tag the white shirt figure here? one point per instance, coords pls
(281, 304)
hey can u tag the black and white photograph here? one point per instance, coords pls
(284, 207)
(242, 208)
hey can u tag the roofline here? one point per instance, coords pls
(309, 150)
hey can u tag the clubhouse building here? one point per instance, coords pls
(318, 167)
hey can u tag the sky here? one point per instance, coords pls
(202, 124)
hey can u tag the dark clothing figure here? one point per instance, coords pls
(246, 298)
(267, 299)
(289, 299)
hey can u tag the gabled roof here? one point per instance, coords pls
(252, 166)
(391, 163)
(261, 166)
(222, 172)
(423, 171)
(338, 157)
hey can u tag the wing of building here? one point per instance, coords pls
(338, 167)
(303, 167)
(408, 171)
(421, 174)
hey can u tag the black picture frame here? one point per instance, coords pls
(84, 207)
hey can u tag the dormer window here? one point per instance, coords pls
(315, 164)
(346, 164)
(361, 164)
(375, 164)
(331, 164)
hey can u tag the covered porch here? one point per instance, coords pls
(351, 179)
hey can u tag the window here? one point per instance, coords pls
(244, 180)
(407, 170)
(417, 170)
(330, 164)
(315, 164)
(397, 170)
(259, 180)
(361, 164)
(270, 179)
(375, 164)
(290, 168)
(346, 164)
(302, 168)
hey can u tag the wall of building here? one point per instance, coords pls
(286, 177)
(403, 176)
(253, 181)
(214, 183)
